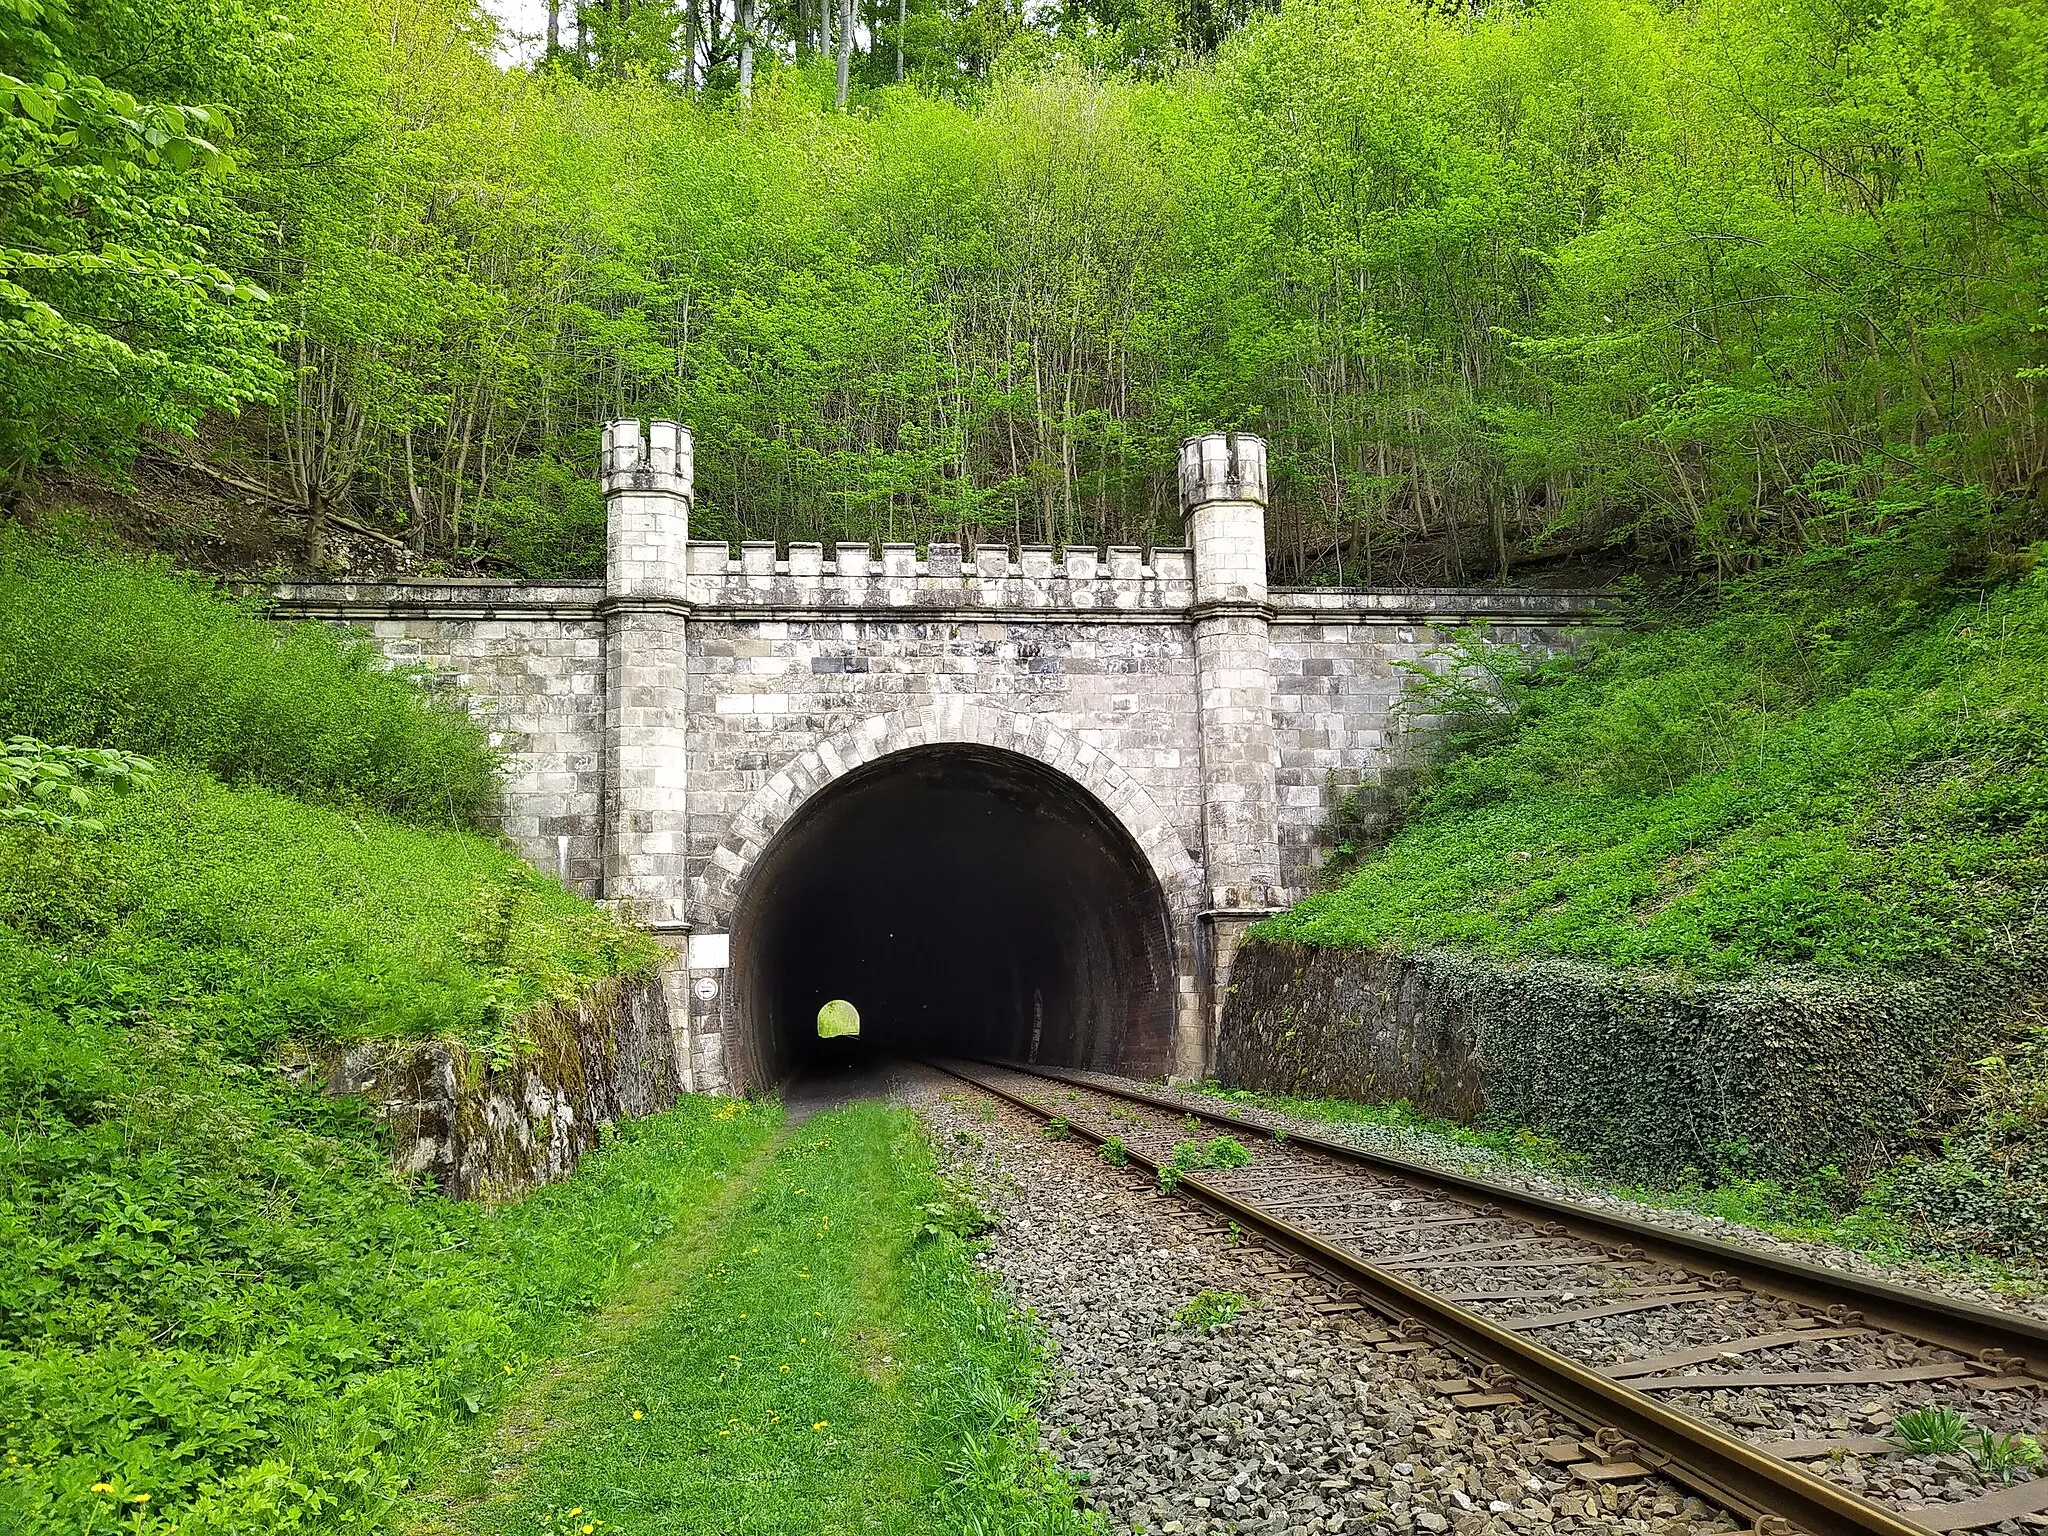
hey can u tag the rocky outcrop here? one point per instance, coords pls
(484, 1130)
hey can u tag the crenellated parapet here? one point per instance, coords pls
(865, 578)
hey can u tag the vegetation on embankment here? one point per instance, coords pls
(1841, 765)
(220, 1309)
(821, 1354)
(240, 917)
(223, 1313)
(1679, 891)
(101, 650)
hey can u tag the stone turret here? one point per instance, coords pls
(647, 473)
(647, 476)
(1223, 497)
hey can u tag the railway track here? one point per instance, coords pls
(1767, 1385)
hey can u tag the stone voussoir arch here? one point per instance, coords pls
(952, 722)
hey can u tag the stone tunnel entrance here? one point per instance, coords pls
(968, 901)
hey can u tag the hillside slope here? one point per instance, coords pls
(1832, 770)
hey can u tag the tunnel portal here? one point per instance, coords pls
(968, 901)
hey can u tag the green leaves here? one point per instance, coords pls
(51, 787)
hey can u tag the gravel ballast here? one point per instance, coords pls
(1290, 1417)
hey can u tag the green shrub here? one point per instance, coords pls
(102, 651)
(1207, 1312)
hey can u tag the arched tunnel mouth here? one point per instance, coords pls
(969, 902)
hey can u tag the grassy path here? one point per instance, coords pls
(817, 1354)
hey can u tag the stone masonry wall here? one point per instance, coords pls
(530, 662)
(785, 651)
(1336, 681)
(763, 691)
(485, 1132)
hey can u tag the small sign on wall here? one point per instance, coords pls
(710, 951)
(706, 988)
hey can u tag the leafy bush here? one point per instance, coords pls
(102, 651)
(51, 787)
(1207, 1312)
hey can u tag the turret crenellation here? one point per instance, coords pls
(1222, 466)
(654, 456)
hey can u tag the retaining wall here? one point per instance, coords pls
(492, 1132)
(1776, 1075)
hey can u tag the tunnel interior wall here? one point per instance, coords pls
(968, 901)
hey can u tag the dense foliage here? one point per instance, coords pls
(112, 653)
(1697, 282)
(1845, 765)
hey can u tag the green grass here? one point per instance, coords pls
(1840, 767)
(244, 917)
(103, 650)
(219, 1298)
(819, 1356)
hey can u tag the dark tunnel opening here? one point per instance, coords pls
(969, 902)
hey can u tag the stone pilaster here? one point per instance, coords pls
(1223, 497)
(647, 485)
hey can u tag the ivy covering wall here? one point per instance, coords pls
(1780, 1074)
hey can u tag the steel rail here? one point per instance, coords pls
(2017, 1345)
(1728, 1470)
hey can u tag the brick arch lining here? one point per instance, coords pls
(956, 722)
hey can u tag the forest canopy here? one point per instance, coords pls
(1691, 284)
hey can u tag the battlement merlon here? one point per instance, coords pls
(658, 456)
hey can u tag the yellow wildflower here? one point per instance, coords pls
(587, 1529)
(142, 1498)
(822, 1424)
(96, 1487)
(636, 1411)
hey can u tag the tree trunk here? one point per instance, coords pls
(744, 20)
(415, 503)
(845, 48)
(902, 11)
(825, 27)
(316, 532)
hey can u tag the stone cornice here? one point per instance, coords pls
(477, 600)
